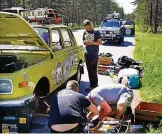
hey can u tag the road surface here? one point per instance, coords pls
(127, 48)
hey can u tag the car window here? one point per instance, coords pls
(44, 33)
(111, 24)
(129, 24)
(56, 40)
(66, 38)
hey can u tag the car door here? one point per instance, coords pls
(71, 59)
(58, 53)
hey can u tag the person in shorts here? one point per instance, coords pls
(108, 96)
(68, 110)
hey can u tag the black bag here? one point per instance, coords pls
(125, 61)
(9, 64)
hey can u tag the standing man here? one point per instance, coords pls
(91, 39)
(68, 110)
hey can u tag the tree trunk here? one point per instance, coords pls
(156, 18)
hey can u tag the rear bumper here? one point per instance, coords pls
(22, 105)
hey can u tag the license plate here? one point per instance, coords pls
(108, 35)
(9, 128)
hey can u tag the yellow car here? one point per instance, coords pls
(35, 60)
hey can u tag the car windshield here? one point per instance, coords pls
(111, 24)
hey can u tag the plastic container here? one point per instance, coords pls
(134, 81)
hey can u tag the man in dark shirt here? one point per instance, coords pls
(68, 110)
(92, 39)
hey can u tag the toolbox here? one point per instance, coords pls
(148, 112)
(16, 123)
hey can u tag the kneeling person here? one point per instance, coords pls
(107, 95)
(68, 110)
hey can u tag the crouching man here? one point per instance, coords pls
(68, 110)
(108, 96)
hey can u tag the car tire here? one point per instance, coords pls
(78, 74)
(39, 106)
(121, 40)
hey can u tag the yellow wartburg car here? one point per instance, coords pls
(35, 60)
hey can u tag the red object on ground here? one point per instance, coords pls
(148, 111)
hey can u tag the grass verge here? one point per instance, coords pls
(149, 50)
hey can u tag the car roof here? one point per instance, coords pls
(51, 26)
(111, 20)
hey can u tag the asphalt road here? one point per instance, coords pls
(40, 121)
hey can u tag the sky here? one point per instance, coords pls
(126, 4)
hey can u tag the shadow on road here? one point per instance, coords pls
(83, 86)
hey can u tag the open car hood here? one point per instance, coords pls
(14, 27)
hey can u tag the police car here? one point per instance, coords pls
(110, 28)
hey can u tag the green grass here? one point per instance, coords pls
(156, 131)
(149, 50)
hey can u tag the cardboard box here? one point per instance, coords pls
(105, 60)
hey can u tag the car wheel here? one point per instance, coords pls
(119, 42)
(122, 39)
(39, 106)
(78, 74)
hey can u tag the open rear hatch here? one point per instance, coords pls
(14, 27)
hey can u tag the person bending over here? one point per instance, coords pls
(108, 96)
(68, 110)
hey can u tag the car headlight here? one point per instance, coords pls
(102, 32)
(116, 31)
(6, 86)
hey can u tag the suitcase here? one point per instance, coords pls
(16, 123)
